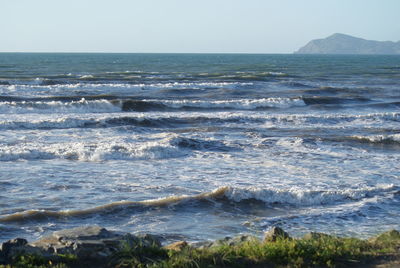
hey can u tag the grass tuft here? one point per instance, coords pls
(137, 254)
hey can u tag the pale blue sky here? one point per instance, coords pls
(248, 26)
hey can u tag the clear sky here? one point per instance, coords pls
(247, 26)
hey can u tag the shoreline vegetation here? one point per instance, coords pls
(93, 246)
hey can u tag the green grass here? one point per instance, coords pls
(284, 252)
(37, 261)
(137, 255)
(319, 251)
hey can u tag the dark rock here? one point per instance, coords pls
(92, 242)
(241, 239)
(221, 242)
(317, 236)
(145, 240)
(202, 244)
(275, 233)
(85, 242)
(17, 242)
(8, 246)
(150, 240)
(16, 247)
(84, 233)
(228, 241)
(92, 249)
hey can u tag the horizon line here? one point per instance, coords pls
(113, 52)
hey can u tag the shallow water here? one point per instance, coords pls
(198, 147)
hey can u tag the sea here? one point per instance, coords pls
(199, 146)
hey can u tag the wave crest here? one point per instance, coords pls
(107, 104)
(80, 106)
(379, 139)
(164, 148)
(299, 197)
(224, 194)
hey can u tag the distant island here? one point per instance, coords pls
(345, 44)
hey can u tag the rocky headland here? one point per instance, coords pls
(345, 44)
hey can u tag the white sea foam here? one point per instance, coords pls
(302, 197)
(393, 138)
(49, 119)
(87, 76)
(46, 123)
(247, 104)
(156, 146)
(334, 121)
(81, 106)
(335, 118)
(14, 154)
(103, 106)
(277, 73)
(103, 150)
(121, 151)
(37, 86)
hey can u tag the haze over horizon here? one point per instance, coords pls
(179, 26)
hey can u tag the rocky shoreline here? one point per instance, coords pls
(94, 246)
(86, 243)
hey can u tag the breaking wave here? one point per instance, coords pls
(379, 139)
(129, 82)
(174, 120)
(108, 105)
(80, 106)
(301, 197)
(240, 104)
(225, 194)
(164, 148)
(113, 121)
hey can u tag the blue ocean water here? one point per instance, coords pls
(199, 146)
